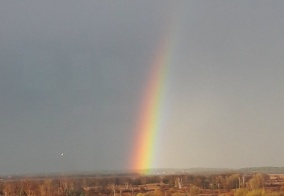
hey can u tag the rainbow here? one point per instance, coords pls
(150, 117)
(153, 107)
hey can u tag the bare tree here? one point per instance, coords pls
(178, 182)
(126, 185)
(257, 181)
(113, 188)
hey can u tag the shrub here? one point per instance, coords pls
(241, 192)
(194, 190)
(256, 192)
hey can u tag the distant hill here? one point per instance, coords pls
(189, 171)
(165, 171)
(208, 171)
(268, 170)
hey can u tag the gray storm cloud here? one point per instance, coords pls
(72, 76)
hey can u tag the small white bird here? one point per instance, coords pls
(62, 154)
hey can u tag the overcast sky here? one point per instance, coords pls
(72, 75)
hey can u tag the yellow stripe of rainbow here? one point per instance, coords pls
(149, 121)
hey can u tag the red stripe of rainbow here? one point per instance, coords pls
(149, 118)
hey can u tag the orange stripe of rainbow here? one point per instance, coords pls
(150, 116)
(148, 125)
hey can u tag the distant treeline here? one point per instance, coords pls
(135, 184)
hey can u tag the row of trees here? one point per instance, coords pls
(132, 185)
(33, 187)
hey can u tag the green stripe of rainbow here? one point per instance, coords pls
(148, 125)
(151, 112)
(150, 118)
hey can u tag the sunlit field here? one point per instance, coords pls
(133, 184)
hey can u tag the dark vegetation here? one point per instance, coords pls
(233, 184)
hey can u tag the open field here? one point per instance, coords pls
(145, 185)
